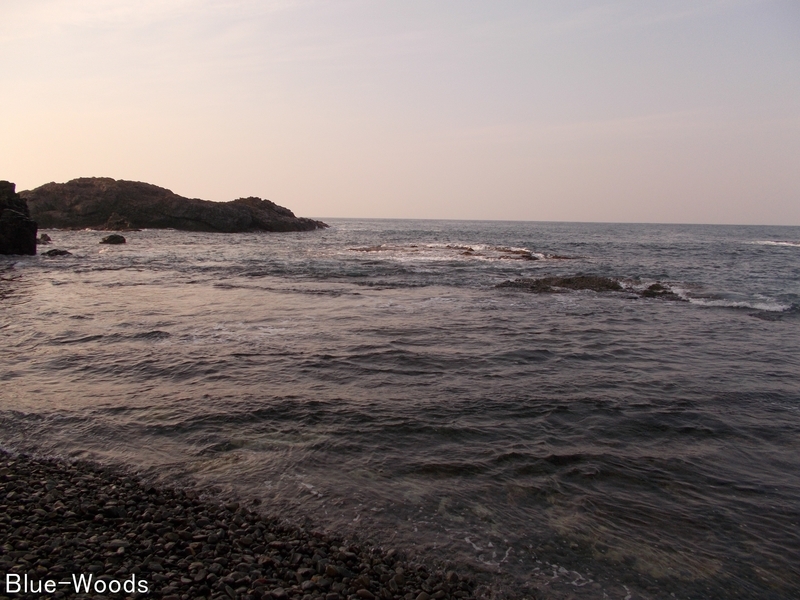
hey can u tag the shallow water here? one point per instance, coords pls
(372, 378)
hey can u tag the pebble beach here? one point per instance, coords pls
(103, 534)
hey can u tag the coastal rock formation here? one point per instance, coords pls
(17, 228)
(57, 252)
(114, 238)
(550, 285)
(117, 223)
(658, 290)
(104, 203)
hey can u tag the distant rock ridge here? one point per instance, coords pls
(17, 229)
(119, 205)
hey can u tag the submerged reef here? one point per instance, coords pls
(554, 285)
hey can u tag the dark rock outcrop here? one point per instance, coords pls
(104, 203)
(17, 228)
(117, 223)
(658, 290)
(44, 239)
(57, 252)
(558, 284)
(550, 285)
(114, 238)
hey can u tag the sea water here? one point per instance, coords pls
(371, 379)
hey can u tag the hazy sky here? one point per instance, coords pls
(647, 111)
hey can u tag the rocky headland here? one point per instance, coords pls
(117, 205)
(17, 228)
(131, 540)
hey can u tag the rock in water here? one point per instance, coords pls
(43, 239)
(658, 290)
(17, 229)
(548, 285)
(114, 238)
(556, 284)
(57, 252)
(104, 203)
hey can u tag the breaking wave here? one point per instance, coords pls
(777, 243)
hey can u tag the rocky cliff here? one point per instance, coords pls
(17, 229)
(104, 203)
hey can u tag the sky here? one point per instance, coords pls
(685, 111)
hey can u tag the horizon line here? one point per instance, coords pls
(554, 221)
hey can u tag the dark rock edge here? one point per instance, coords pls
(60, 518)
(595, 283)
(17, 229)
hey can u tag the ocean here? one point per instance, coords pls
(371, 379)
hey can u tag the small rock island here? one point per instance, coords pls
(118, 205)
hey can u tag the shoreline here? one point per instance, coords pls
(89, 526)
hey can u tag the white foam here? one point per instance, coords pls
(437, 252)
(765, 306)
(777, 243)
(473, 544)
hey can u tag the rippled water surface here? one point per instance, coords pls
(372, 378)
